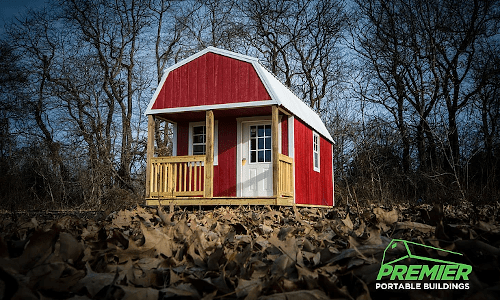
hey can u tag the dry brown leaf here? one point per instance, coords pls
(141, 277)
(70, 249)
(246, 286)
(94, 282)
(347, 222)
(317, 258)
(40, 246)
(166, 218)
(288, 247)
(264, 229)
(306, 273)
(123, 219)
(174, 278)
(367, 250)
(372, 238)
(488, 227)
(424, 228)
(182, 291)
(133, 252)
(361, 229)
(143, 214)
(135, 293)
(158, 240)
(214, 259)
(386, 219)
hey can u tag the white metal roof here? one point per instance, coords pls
(284, 97)
(279, 93)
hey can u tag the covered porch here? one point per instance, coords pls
(189, 179)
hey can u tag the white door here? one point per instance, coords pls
(257, 167)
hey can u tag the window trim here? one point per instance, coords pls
(318, 151)
(216, 139)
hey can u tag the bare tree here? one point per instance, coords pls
(112, 31)
(300, 43)
(417, 64)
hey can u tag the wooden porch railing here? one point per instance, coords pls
(285, 176)
(177, 176)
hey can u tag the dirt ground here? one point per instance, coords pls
(243, 252)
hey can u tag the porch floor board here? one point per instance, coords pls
(187, 201)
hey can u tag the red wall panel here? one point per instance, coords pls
(211, 79)
(284, 135)
(182, 138)
(326, 168)
(225, 172)
(312, 187)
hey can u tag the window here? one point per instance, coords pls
(260, 143)
(316, 143)
(198, 139)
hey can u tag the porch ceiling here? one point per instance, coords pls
(193, 116)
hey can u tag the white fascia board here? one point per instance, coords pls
(210, 107)
(231, 54)
(157, 92)
(269, 87)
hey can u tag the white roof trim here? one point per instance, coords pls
(157, 92)
(279, 93)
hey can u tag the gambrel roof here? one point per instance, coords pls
(221, 79)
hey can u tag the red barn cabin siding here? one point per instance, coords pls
(182, 138)
(284, 135)
(211, 79)
(225, 171)
(311, 187)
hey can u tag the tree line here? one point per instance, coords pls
(408, 89)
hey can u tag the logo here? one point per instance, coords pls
(427, 269)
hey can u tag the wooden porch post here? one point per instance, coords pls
(209, 160)
(274, 138)
(150, 152)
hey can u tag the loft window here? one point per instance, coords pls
(316, 157)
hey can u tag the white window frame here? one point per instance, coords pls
(216, 139)
(316, 150)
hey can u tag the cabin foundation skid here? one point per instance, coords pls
(194, 201)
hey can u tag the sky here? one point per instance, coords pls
(12, 8)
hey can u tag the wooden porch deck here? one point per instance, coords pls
(188, 180)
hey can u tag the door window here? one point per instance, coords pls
(260, 143)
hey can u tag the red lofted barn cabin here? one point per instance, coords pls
(240, 137)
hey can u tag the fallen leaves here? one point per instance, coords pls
(234, 253)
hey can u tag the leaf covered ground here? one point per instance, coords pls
(240, 252)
